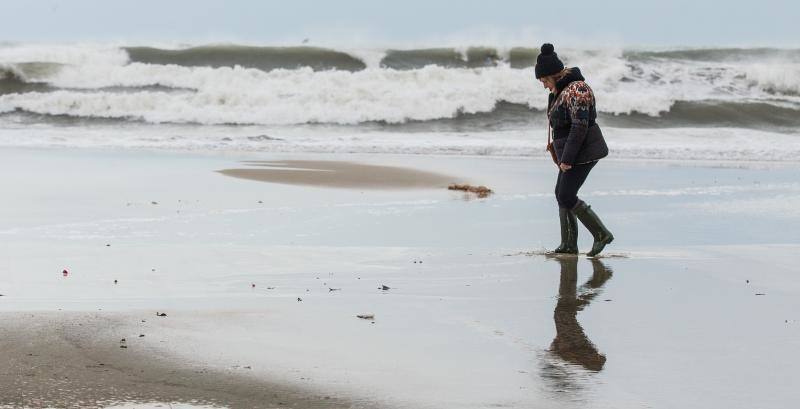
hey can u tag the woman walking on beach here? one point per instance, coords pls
(576, 147)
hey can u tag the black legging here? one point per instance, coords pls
(569, 182)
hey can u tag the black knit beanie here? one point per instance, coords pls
(547, 63)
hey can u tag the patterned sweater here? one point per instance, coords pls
(572, 114)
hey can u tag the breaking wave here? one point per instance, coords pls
(474, 87)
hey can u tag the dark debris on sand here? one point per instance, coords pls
(481, 191)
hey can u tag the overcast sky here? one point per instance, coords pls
(360, 22)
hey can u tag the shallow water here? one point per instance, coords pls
(470, 320)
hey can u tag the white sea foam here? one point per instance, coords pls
(778, 77)
(245, 95)
(10, 71)
(240, 95)
(73, 54)
(250, 96)
(99, 81)
(703, 144)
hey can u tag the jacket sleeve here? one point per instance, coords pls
(578, 102)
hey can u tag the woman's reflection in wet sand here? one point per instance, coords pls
(571, 342)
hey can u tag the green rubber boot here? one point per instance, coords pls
(588, 217)
(569, 233)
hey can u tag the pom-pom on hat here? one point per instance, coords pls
(547, 63)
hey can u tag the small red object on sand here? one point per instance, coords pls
(65, 273)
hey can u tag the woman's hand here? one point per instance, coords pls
(564, 167)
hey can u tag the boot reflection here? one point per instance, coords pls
(571, 342)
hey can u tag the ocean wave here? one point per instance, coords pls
(742, 114)
(13, 85)
(21, 78)
(470, 57)
(504, 116)
(28, 71)
(263, 58)
(64, 54)
(470, 98)
(10, 72)
(230, 84)
(248, 96)
(270, 58)
(719, 54)
(14, 77)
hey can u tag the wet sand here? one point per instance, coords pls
(340, 174)
(76, 360)
(695, 308)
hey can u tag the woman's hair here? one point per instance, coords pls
(561, 74)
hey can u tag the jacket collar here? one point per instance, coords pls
(574, 75)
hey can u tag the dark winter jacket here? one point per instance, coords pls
(571, 110)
